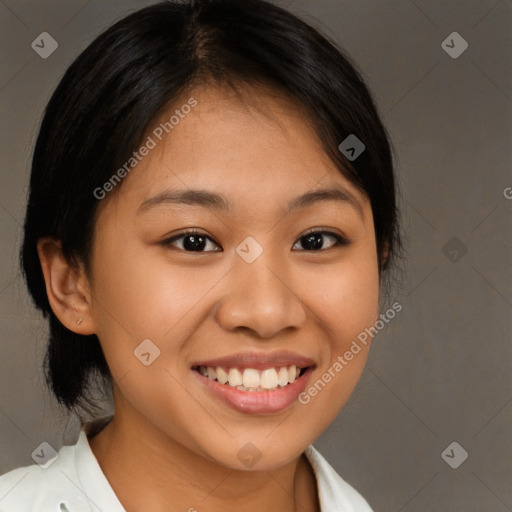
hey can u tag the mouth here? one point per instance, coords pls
(255, 383)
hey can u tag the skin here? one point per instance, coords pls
(170, 442)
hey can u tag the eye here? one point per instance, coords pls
(196, 241)
(192, 241)
(313, 240)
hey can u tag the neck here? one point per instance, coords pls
(148, 470)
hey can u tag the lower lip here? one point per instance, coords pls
(257, 402)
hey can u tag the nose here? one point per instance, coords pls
(261, 299)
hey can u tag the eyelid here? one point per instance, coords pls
(325, 231)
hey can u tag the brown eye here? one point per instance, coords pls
(315, 241)
(191, 241)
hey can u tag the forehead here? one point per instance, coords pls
(254, 145)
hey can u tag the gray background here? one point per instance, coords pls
(440, 371)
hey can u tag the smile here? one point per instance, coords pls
(255, 382)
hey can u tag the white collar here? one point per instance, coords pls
(75, 482)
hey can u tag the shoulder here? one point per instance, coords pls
(334, 493)
(41, 487)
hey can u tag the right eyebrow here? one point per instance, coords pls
(192, 197)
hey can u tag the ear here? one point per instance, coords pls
(385, 255)
(67, 288)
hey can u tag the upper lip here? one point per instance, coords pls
(258, 360)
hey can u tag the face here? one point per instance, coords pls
(265, 283)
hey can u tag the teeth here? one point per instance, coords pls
(282, 376)
(251, 379)
(268, 379)
(222, 376)
(292, 374)
(235, 377)
(243, 388)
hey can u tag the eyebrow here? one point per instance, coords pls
(218, 202)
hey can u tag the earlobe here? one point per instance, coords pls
(67, 288)
(384, 257)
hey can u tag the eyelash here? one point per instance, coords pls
(340, 241)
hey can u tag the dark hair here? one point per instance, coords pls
(107, 99)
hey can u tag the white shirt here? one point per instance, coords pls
(74, 482)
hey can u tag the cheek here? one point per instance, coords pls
(345, 302)
(346, 299)
(138, 296)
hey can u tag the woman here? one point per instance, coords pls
(210, 218)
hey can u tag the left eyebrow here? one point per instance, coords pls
(209, 199)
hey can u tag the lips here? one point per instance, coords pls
(259, 361)
(254, 382)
